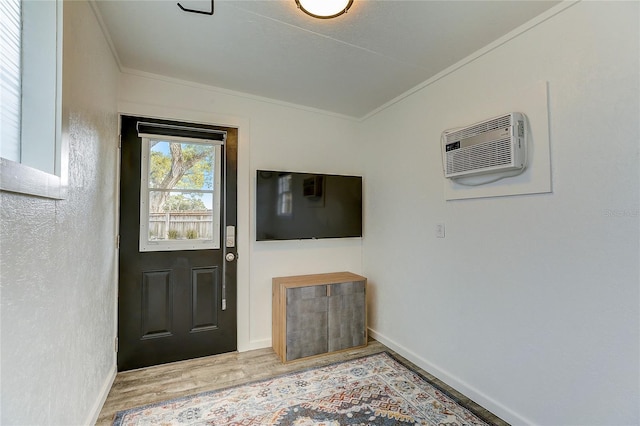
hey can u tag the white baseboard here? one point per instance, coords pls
(255, 344)
(453, 381)
(104, 392)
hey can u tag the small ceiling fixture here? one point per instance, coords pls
(324, 9)
(203, 12)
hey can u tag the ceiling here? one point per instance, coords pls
(350, 65)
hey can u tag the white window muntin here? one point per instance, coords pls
(146, 244)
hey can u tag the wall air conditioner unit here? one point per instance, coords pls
(496, 145)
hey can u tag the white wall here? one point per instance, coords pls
(58, 257)
(530, 304)
(271, 135)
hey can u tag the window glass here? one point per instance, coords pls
(11, 78)
(180, 195)
(40, 92)
(195, 158)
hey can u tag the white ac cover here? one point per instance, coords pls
(492, 146)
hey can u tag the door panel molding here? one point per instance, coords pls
(205, 294)
(157, 306)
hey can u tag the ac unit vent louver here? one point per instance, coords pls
(492, 146)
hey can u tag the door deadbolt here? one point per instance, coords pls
(230, 257)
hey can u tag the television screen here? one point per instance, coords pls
(294, 206)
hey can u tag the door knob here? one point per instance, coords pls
(230, 257)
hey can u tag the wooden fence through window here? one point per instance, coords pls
(181, 225)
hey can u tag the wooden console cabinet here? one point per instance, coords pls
(316, 314)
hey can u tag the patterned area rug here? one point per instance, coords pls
(373, 390)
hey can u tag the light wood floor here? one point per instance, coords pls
(155, 384)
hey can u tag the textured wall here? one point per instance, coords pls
(57, 257)
(530, 303)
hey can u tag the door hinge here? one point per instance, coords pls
(118, 242)
(119, 141)
(116, 344)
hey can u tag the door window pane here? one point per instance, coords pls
(180, 195)
(181, 165)
(183, 215)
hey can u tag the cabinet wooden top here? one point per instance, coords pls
(315, 279)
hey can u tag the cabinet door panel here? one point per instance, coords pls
(347, 317)
(306, 321)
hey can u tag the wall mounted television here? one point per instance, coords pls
(297, 205)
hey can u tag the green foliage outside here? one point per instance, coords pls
(181, 203)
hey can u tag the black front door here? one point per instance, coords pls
(177, 272)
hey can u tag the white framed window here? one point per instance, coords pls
(33, 157)
(180, 193)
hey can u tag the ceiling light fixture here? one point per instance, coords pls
(324, 9)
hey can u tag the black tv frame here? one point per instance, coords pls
(301, 205)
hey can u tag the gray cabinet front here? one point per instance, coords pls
(346, 315)
(325, 318)
(307, 318)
